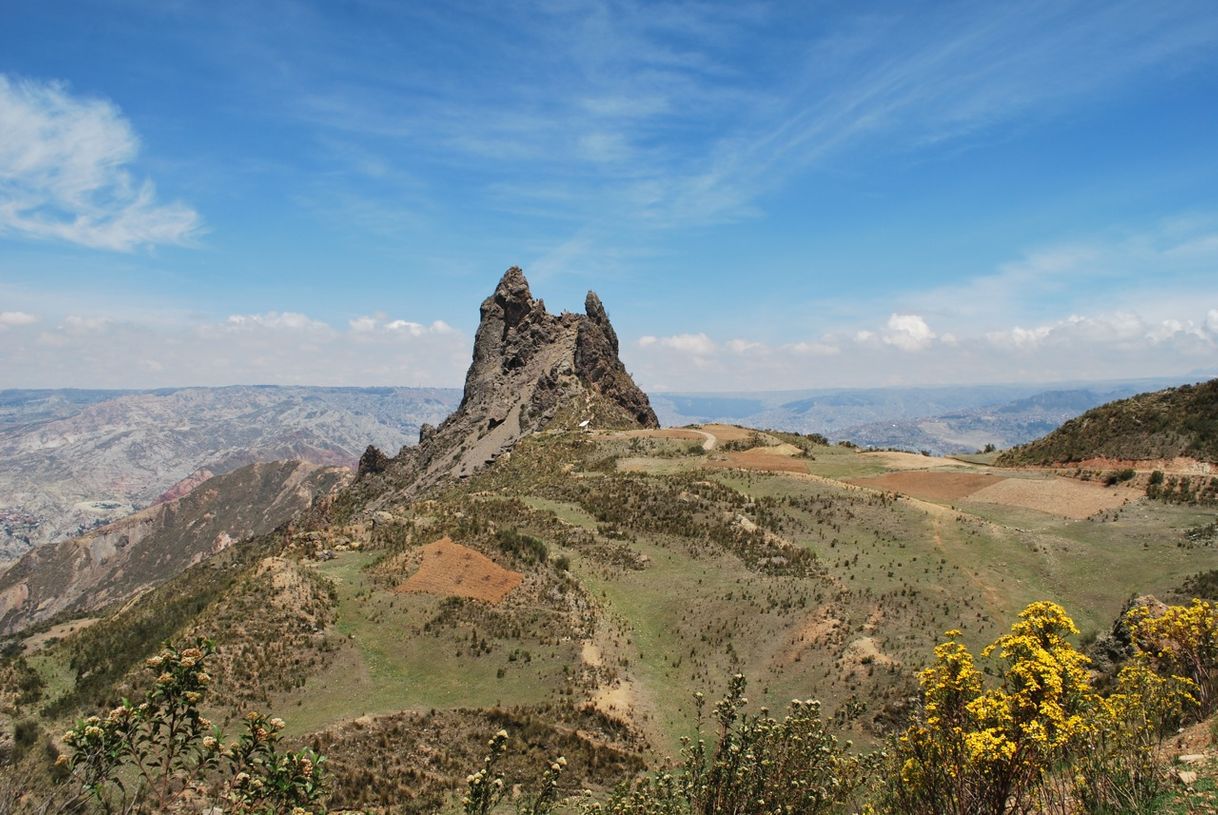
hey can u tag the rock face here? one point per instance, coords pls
(531, 369)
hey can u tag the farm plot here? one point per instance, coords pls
(449, 569)
(930, 485)
(1067, 497)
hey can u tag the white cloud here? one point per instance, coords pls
(77, 324)
(9, 319)
(1117, 330)
(818, 349)
(741, 346)
(64, 173)
(363, 325)
(277, 320)
(699, 343)
(1120, 344)
(909, 332)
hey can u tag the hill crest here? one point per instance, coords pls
(1168, 424)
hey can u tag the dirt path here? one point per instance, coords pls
(709, 440)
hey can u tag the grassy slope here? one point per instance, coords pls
(667, 598)
(1165, 424)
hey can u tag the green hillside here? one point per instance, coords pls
(1165, 424)
(650, 569)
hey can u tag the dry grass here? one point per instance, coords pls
(893, 460)
(56, 632)
(449, 569)
(678, 433)
(728, 432)
(1067, 497)
(930, 486)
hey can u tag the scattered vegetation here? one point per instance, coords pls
(164, 755)
(1160, 425)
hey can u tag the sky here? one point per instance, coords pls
(766, 196)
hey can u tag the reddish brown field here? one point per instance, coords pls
(664, 433)
(930, 486)
(449, 569)
(761, 458)
(1067, 497)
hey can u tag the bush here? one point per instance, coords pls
(519, 545)
(155, 756)
(1041, 740)
(756, 765)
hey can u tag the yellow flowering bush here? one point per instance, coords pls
(1119, 770)
(1182, 641)
(980, 750)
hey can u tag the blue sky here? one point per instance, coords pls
(766, 196)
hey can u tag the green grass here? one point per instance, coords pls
(388, 666)
(566, 512)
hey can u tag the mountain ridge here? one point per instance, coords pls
(1179, 422)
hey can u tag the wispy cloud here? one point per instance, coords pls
(646, 112)
(65, 173)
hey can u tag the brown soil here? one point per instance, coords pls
(727, 432)
(930, 486)
(768, 459)
(449, 569)
(1067, 497)
(1171, 466)
(665, 433)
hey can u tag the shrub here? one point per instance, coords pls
(154, 756)
(519, 545)
(1181, 641)
(756, 765)
(1041, 740)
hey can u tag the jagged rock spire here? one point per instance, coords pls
(529, 369)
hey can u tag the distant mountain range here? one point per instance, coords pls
(73, 460)
(941, 420)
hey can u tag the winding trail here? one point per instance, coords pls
(710, 442)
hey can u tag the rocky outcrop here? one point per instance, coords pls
(372, 461)
(530, 370)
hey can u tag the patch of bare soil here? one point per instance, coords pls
(449, 569)
(728, 432)
(56, 632)
(759, 459)
(930, 485)
(1067, 497)
(911, 461)
(1171, 466)
(863, 653)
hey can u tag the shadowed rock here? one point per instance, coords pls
(530, 370)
